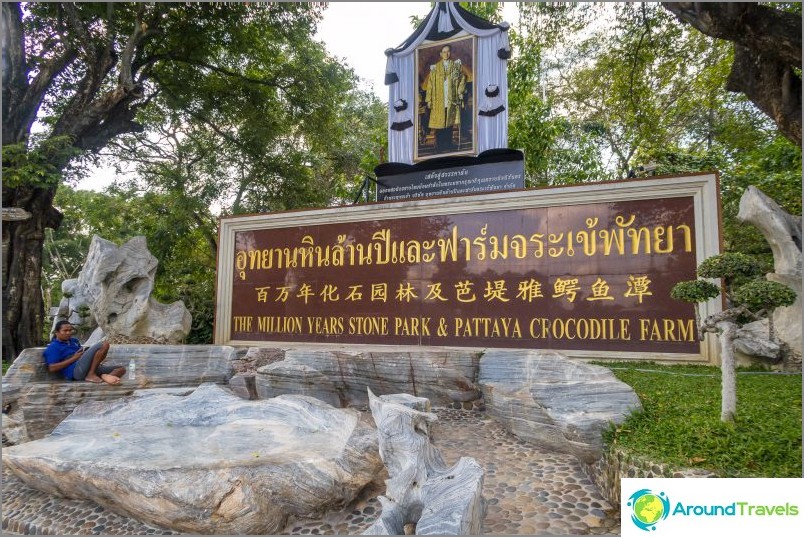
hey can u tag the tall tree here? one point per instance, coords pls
(593, 80)
(614, 81)
(767, 53)
(85, 73)
(200, 170)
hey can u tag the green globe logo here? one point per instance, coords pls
(648, 508)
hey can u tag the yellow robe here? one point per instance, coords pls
(445, 101)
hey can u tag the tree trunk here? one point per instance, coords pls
(772, 86)
(728, 386)
(94, 113)
(767, 54)
(23, 306)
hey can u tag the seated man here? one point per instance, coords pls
(65, 354)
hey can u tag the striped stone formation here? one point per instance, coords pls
(206, 463)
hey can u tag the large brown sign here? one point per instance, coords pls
(593, 276)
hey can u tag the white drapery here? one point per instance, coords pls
(490, 70)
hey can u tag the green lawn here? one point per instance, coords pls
(680, 422)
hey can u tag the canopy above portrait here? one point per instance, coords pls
(485, 106)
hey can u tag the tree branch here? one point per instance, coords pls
(209, 236)
(21, 99)
(757, 27)
(142, 32)
(767, 49)
(730, 315)
(216, 69)
(772, 86)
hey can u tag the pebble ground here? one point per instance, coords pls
(528, 492)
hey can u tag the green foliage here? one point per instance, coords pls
(742, 287)
(729, 266)
(36, 166)
(491, 11)
(236, 91)
(597, 89)
(558, 149)
(759, 295)
(186, 269)
(290, 132)
(679, 422)
(251, 115)
(772, 164)
(695, 291)
(85, 214)
(640, 78)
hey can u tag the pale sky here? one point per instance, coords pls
(357, 33)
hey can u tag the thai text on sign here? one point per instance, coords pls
(587, 276)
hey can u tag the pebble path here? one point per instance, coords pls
(528, 492)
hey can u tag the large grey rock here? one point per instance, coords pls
(341, 377)
(115, 285)
(753, 342)
(207, 463)
(421, 490)
(557, 403)
(45, 399)
(782, 231)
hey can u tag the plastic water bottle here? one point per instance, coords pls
(131, 370)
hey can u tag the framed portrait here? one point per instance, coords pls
(445, 99)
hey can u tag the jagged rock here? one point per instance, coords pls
(341, 377)
(207, 463)
(244, 386)
(287, 377)
(753, 341)
(243, 383)
(556, 403)
(74, 307)
(45, 399)
(421, 490)
(782, 231)
(13, 423)
(256, 357)
(115, 287)
(422, 404)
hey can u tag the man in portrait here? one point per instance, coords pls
(444, 97)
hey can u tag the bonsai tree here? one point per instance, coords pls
(749, 298)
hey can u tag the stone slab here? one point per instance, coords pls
(207, 463)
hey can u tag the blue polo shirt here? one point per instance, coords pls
(57, 351)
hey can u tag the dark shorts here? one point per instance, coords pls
(82, 365)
